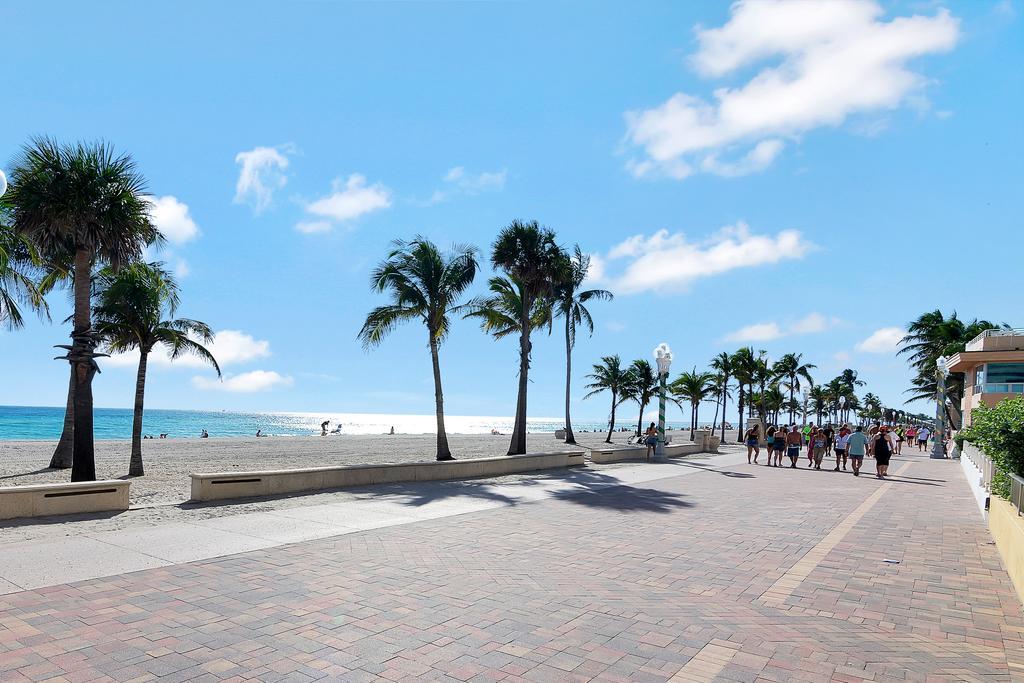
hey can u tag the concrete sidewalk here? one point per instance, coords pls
(687, 573)
(36, 564)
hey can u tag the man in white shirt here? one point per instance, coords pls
(922, 438)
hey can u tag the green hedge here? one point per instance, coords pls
(999, 432)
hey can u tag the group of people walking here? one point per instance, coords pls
(846, 445)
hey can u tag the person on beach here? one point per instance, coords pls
(650, 440)
(323, 427)
(204, 434)
(259, 433)
(752, 438)
(818, 443)
(793, 442)
(842, 439)
(882, 447)
(922, 438)
(856, 447)
(778, 446)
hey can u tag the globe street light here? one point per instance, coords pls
(3, 183)
(663, 356)
(938, 450)
(807, 396)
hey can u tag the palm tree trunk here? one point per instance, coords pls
(443, 452)
(518, 444)
(62, 455)
(640, 420)
(725, 400)
(569, 436)
(739, 424)
(83, 465)
(714, 422)
(693, 419)
(791, 415)
(135, 468)
(611, 422)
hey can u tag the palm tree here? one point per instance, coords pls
(135, 309)
(570, 303)
(528, 253)
(722, 363)
(744, 367)
(19, 263)
(930, 337)
(819, 402)
(85, 201)
(694, 387)
(791, 368)
(643, 389)
(609, 375)
(424, 285)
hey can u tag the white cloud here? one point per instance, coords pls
(172, 218)
(884, 340)
(841, 356)
(349, 200)
(761, 332)
(313, 227)
(263, 172)
(229, 347)
(828, 61)
(458, 181)
(244, 383)
(670, 262)
(181, 268)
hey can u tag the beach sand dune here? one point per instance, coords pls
(169, 461)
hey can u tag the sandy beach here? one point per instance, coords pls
(168, 462)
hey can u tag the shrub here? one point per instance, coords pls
(999, 432)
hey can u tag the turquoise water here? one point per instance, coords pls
(44, 423)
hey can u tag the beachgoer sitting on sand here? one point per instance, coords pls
(259, 433)
(163, 435)
(204, 434)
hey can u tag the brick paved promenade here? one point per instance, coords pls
(736, 573)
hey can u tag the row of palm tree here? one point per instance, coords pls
(78, 215)
(539, 282)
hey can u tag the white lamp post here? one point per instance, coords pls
(3, 183)
(807, 397)
(663, 356)
(939, 434)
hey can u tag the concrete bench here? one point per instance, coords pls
(606, 455)
(224, 485)
(39, 500)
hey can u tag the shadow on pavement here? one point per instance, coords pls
(626, 498)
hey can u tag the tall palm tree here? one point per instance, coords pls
(87, 201)
(570, 304)
(426, 285)
(762, 375)
(643, 388)
(722, 394)
(610, 376)
(818, 402)
(694, 387)
(135, 309)
(722, 363)
(528, 253)
(744, 367)
(791, 368)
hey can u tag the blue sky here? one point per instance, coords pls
(818, 185)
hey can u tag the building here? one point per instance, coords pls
(993, 367)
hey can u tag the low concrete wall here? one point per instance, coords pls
(606, 455)
(223, 485)
(40, 500)
(1007, 528)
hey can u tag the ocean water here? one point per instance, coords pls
(44, 423)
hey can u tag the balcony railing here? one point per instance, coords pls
(988, 469)
(999, 388)
(977, 344)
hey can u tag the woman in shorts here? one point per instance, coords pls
(818, 445)
(793, 441)
(752, 438)
(778, 447)
(842, 438)
(650, 440)
(882, 448)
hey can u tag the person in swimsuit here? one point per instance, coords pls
(769, 438)
(752, 439)
(778, 446)
(882, 448)
(793, 441)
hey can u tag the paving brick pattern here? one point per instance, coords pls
(669, 580)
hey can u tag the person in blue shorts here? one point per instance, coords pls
(856, 447)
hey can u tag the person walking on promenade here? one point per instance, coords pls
(818, 444)
(650, 440)
(752, 438)
(856, 447)
(842, 439)
(897, 433)
(793, 441)
(777, 446)
(922, 438)
(809, 441)
(911, 435)
(882, 448)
